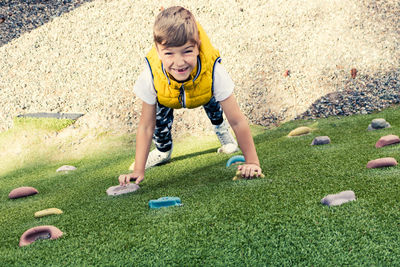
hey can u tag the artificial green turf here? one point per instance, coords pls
(278, 220)
(42, 123)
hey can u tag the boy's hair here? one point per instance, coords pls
(175, 26)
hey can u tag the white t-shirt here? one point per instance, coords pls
(144, 87)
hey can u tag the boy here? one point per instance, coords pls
(184, 70)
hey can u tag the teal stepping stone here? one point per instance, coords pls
(165, 202)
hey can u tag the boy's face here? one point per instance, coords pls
(179, 61)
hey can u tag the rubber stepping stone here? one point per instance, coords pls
(300, 131)
(238, 176)
(23, 191)
(339, 198)
(122, 189)
(46, 212)
(382, 162)
(321, 140)
(66, 168)
(377, 124)
(234, 160)
(165, 202)
(387, 140)
(39, 233)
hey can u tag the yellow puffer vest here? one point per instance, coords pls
(193, 93)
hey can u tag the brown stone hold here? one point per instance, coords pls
(39, 233)
(387, 140)
(382, 162)
(2, 20)
(353, 73)
(23, 191)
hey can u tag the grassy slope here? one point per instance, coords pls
(277, 220)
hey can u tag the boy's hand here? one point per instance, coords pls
(250, 170)
(125, 179)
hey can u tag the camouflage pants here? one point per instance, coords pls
(165, 116)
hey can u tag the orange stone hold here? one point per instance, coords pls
(39, 233)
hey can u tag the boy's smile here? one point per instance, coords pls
(179, 61)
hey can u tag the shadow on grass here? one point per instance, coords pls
(195, 154)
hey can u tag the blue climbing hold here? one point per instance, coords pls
(164, 202)
(234, 159)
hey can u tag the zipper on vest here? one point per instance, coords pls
(182, 97)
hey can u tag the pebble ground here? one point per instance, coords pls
(292, 60)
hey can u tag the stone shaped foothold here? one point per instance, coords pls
(387, 140)
(321, 140)
(23, 191)
(339, 198)
(122, 189)
(238, 176)
(378, 124)
(47, 212)
(235, 160)
(382, 162)
(300, 131)
(39, 233)
(163, 202)
(66, 168)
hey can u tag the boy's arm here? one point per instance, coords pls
(241, 128)
(143, 141)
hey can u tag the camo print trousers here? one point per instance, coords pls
(162, 137)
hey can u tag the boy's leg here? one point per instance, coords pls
(221, 128)
(162, 138)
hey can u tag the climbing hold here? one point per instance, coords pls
(300, 131)
(234, 160)
(286, 73)
(382, 162)
(66, 168)
(122, 189)
(339, 198)
(165, 202)
(353, 73)
(47, 212)
(39, 233)
(23, 191)
(239, 176)
(377, 124)
(321, 140)
(387, 140)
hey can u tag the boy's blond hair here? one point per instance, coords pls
(175, 26)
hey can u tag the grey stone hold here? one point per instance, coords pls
(66, 168)
(339, 198)
(378, 124)
(321, 140)
(122, 189)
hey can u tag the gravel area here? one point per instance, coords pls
(288, 59)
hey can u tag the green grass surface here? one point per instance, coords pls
(278, 220)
